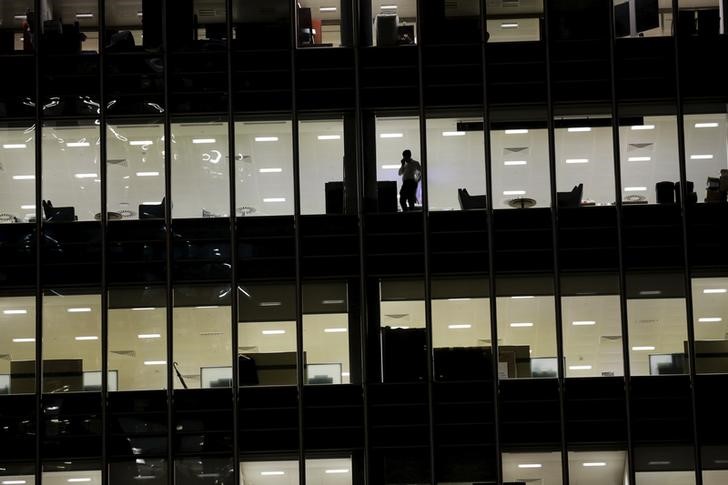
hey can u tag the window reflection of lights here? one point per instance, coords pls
(269, 303)
(147, 336)
(650, 292)
(337, 470)
(522, 297)
(78, 144)
(86, 175)
(213, 157)
(459, 326)
(78, 310)
(529, 465)
(521, 324)
(327, 9)
(453, 133)
(642, 127)
(335, 330)
(86, 15)
(155, 362)
(23, 340)
(594, 464)
(390, 166)
(635, 189)
(272, 473)
(15, 312)
(580, 367)
(28, 207)
(153, 202)
(332, 302)
(581, 323)
(82, 338)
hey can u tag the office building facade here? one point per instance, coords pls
(207, 275)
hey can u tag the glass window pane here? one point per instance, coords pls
(262, 24)
(138, 338)
(321, 165)
(17, 182)
(664, 464)
(702, 18)
(278, 472)
(710, 320)
(455, 160)
(135, 171)
(320, 24)
(17, 371)
(71, 341)
(520, 165)
(642, 19)
(584, 158)
(71, 472)
(326, 333)
(403, 333)
(267, 334)
(649, 160)
(706, 155)
(71, 173)
(394, 23)
(264, 162)
(542, 467)
(394, 136)
(334, 471)
(602, 467)
(17, 33)
(202, 337)
(204, 470)
(153, 471)
(517, 23)
(200, 169)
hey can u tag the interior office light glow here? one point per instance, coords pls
(519, 131)
(78, 310)
(272, 473)
(710, 319)
(641, 348)
(639, 159)
(273, 332)
(576, 160)
(515, 162)
(270, 170)
(155, 362)
(337, 470)
(140, 143)
(521, 324)
(509, 25)
(327, 9)
(23, 177)
(142, 308)
(514, 192)
(203, 141)
(642, 127)
(86, 175)
(266, 138)
(459, 326)
(329, 137)
(269, 303)
(529, 465)
(335, 330)
(147, 174)
(706, 125)
(14, 146)
(580, 367)
(583, 322)
(391, 135)
(709, 291)
(84, 16)
(274, 199)
(23, 340)
(15, 312)
(701, 157)
(82, 338)
(522, 297)
(594, 464)
(144, 336)
(453, 133)
(78, 144)
(579, 129)
(635, 189)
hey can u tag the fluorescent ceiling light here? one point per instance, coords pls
(15, 312)
(273, 332)
(529, 465)
(266, 138)
(701, 157)
(13, 482)
(140, 14)
(337, 470)
(391, 166)
(273, 473)
(140, 143)
(391, 135)
(86, 175)
(706, 125)
(458, 299)
(78, 144)
(269, 303)
(594, 463)
(144, 336)
(155, 362)
(509, 25)
(206, 307)
(270, 170)
(86, 337)
(23, 177)
(20, 17)
(459, 326)
(515, 162)
(78, 310)
(643, 127)
(635, 189)
(579, 129)
(335, 330)
(12, 146)
(274, 199)
(522, 297)
(580, 367)
(143, 308)
(388, 7)
(650, 292)
(639, 159)
(516, 132)
(203, 141)
(23, 340)
(576, 160)
(28, 207)
(639, 348)
(710, 319)
(147, 174)
(583, 322)
(521, 324)
(332, 302)
(329, 137)
(659, 462)
(84, 16)
(453, 133)
(345, 374)
(327, 9)
(709, 291)
(514, 192)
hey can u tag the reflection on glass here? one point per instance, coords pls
(394, 136)
(18, 31)
(592, 333)
(135, 171)
(649, 160)
(262, 24)
(264, 168)
(517, 23)
(585, 163)
(394, 23)
(202, 337)
(209, 21)
(710, 322)
(526, 337)
(17, 180)
(71, 472)
(70, 26)
(71, 341)
(642, 18)
(152, 470)
(200, 169)
(319, 24)
(403, 334)
(520, 165)
(321, 166)
(128, 23)
(706, 156)
(701, 18)
(71, 172)
(138, 338)
(270, 472)
(267, 335)
(602, 467)
(455, 161)
(203, 470)
(664, 464)
(326, 333)
(17, 341)
(543, 468)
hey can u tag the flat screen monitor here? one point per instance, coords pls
(621, 20)
(647, 15)
(92, 380)
(323, 373)
(216, 377)
(667, 364)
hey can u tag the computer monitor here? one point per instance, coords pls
(667, 364)
(647, 15)
(621, 20)
(268, 368)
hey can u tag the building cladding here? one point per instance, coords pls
(206, 275)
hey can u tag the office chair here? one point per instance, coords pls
(570, 199)
(665, 192)
(151, 211)
(58, 214)
(468, 201)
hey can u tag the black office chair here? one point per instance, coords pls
(570, 199)
(665, 192)
(151, 211)
(468, 201)
(58, 214)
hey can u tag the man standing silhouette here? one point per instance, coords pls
(411, 172)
